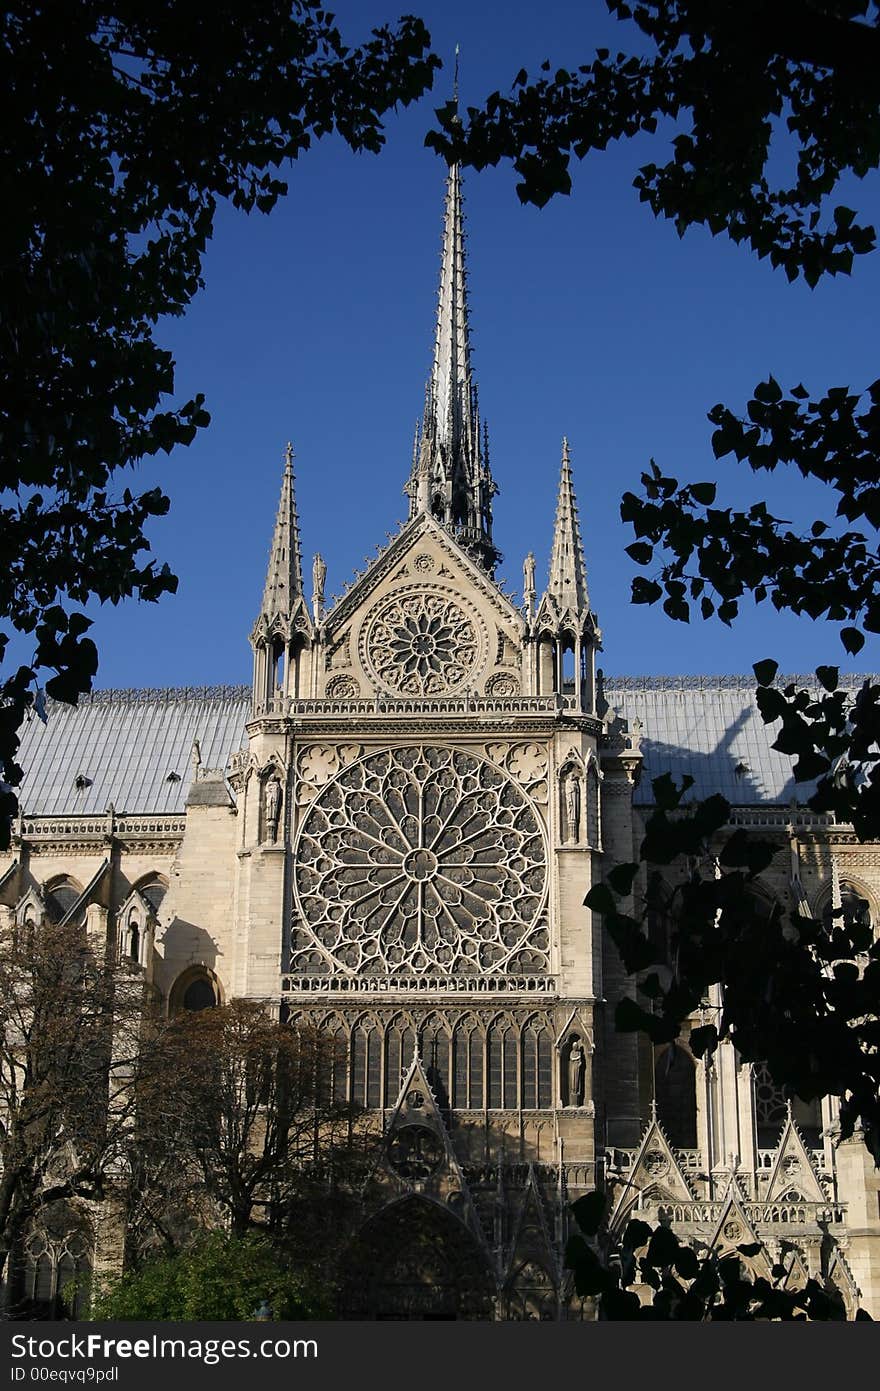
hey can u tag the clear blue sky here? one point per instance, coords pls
(589, 319)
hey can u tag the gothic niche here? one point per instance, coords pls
(271, 799)
(573, 1072)
(571, 802)
(420, 643)
(424, 859)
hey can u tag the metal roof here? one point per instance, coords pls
(710, 728)
(131, 748)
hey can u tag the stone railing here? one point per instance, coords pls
(444, 986)
(789, 1214)
(85, 827)
(405, 707)
(778, 818)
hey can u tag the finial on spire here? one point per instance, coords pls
(455, 80)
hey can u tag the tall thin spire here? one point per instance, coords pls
(450, 476)
(284, 583)
(568, 571)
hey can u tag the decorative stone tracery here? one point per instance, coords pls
(424, 858)
(421, 642)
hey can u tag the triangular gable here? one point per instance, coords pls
(656, 1173)
(416, 1155)
(34, 900)
(734, 1228)
(793, 1172)
(394, 554)
(531, 1239)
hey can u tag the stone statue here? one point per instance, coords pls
(319, 576)
(529, 581)
(571, 789)
(576, 1070)
(196, 760)
(272, 804)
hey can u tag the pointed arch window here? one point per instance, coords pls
(435, 1053)
(366, 1066)
(537, 1067)
(399, 1049)
(675, 1092)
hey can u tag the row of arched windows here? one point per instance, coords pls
(502, 1065)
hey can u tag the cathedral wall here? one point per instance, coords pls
(196, 919)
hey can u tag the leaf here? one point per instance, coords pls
(852, 640)
(589, 1211)
(641, 552)
(703, 493)
(765, 671)
(621, 878)
(703, 1039)
(828, 677)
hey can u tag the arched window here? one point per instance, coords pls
(153, 891)
(468, 1059)
(771, 1112)
(53, 1277)
(855, 904)
(675, 1092)
(196, 989)
(537, 1066)
(503, 1079)
(435, 1051)
(134, 937)
(59, 896)
(399, 1049)
(366, 1066)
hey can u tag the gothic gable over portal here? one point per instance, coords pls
(424, 620)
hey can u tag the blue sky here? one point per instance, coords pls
(589, 319)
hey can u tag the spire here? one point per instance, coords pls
(284, 575)
(568, 570)
(450, 476)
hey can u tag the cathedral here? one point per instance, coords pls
(390, 835)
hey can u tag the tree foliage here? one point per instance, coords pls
(248, 1134)
(218, 1277)
(72, 1058)
(126, 124)
(684, 1285)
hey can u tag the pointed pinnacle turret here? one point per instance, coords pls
(450, 477)
(568, 571)
(284, 574)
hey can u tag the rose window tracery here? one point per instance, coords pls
(421, 859)
(421, 643)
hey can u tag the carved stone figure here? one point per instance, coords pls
(319, 577)
(576, 1070)
(571, 796)
(272, 806)
(529, 581)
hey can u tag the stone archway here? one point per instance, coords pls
(414, 1260)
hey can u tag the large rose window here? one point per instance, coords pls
(420, 643)
(424, 859)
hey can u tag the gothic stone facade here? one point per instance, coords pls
(391, 835)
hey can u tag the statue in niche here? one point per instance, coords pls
(571, 797)
(577, 1064)
(272, 807)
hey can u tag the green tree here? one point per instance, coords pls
(126, 124)
(218, 1277)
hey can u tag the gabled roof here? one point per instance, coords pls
(710, 728)
(131, 748)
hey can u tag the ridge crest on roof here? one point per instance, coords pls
(849, 681)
